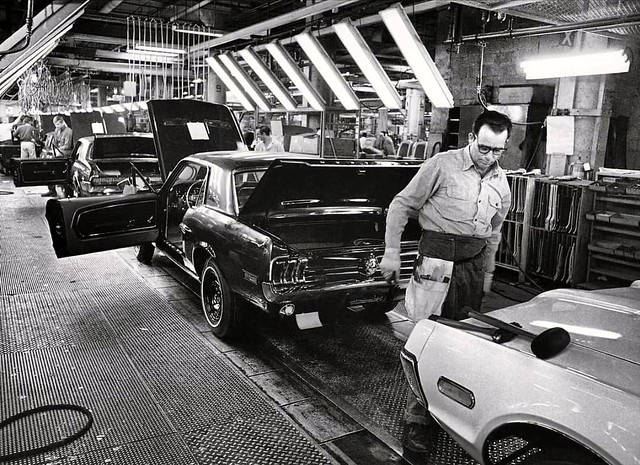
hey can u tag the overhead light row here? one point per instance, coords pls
(401, 29)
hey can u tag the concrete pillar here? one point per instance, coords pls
(216, 90)
(588, 99)
(414, 105)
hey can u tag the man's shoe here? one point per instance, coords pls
(420, 438)
(415, 458)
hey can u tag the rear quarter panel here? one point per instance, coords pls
(242, 253)
(511, 385)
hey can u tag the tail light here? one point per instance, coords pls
(288, 270)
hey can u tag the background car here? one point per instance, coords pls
(579, 405)
(102, 163)
(292, 235)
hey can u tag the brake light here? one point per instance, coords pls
(288, 270)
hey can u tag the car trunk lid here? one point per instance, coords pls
(608, 324)
(184, 127)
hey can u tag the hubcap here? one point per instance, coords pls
(212, 297)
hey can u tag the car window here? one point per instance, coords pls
(82, 149)
(124, 147)
(245, 183)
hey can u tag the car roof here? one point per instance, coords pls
(252, 160)
(146, 135)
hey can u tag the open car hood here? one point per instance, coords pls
(322, 183)
(184, 127)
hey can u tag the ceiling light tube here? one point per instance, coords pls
(153, 48)
(148, 55)
(368, 63)
(328, 70)
(586, 64)
(271, 81)
(247, 83)
(197, 32)
(290, 67)
(417, 56)
(220, 70)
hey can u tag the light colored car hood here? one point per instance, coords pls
(607, 321)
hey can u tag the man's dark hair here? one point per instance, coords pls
(58, 118)
(497, 121)
(27, 119)
(266, 130)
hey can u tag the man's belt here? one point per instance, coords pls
(454, 247)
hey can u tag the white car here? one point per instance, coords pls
(577, 402)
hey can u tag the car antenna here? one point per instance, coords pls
(547, 344)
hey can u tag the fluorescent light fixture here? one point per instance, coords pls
(153, 48)
(151, 56)
(118, 108)
(106, 109)
(197, 32)
(271, 81)
(290, 67)
(328, 70)
(247, 83)
(417, 56)
(584, 64)
(368, 63)
(220, 70)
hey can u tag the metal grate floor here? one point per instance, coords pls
(89, 331)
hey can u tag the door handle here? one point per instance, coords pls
(185, 229)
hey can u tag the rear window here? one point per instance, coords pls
(246, 182)
(133, 147)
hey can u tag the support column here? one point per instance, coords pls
(414, 123)
(216, 90)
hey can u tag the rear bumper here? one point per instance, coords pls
(349, 294)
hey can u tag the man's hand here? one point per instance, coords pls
(390, 265)
(488, 281)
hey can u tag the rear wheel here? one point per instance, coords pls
(144, 252)
(220, 306)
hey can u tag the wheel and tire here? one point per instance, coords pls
(144, 252)
(562, 456)
(220, 306)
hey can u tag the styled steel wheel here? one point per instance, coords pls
(219, 304)
(144, 252)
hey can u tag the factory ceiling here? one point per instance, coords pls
(96, 43)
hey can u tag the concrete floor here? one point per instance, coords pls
(128, 342)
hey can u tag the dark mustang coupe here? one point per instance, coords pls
(99, 165)
(292, 236)
(102, 164)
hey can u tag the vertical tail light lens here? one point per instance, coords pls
(288, 270)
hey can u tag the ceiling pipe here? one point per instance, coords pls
(589, 26)
(110, 6)
(189, 10)
(281, 20)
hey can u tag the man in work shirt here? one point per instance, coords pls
(27, 135)
(461, 197)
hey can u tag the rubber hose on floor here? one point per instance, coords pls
(53, 445)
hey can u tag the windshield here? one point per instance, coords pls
(125, 147)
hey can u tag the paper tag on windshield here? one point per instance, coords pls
(198, 131)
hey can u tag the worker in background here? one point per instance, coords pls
(266, 143)
(27, 135)
(59, 144)
(461, 198)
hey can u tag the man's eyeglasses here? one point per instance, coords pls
(485, 149)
